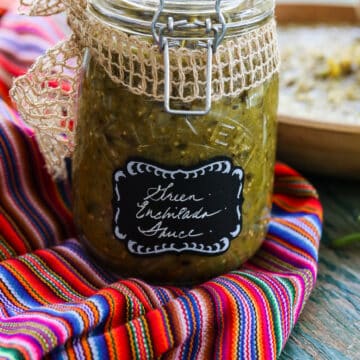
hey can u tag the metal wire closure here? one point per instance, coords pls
(164, 42)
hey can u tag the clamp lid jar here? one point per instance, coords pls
(175, 134)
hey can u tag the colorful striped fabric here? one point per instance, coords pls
(55, 302)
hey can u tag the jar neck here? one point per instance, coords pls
(136, 16)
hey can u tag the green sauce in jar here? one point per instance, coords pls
(115, 125)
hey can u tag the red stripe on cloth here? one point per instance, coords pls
(120, 337)
(11, 67)
(157, 327)
(4, 93)
(73, 279)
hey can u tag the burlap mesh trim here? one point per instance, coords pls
(48, 7)
(42, 7)
(239, 64)
(46, 96)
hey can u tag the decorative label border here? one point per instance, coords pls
(136, 167)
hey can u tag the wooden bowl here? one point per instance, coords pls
(310, 145)
(319, 147)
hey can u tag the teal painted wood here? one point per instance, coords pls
(329, 326)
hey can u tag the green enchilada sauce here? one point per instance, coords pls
(115, 125)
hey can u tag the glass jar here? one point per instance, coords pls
(168, 190)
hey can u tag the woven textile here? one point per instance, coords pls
(56, 302)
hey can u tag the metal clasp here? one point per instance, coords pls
(165, 44)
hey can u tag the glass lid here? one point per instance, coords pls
(136, 16)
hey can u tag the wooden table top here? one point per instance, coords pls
(329, 326)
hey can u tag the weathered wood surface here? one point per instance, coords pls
(329, 327)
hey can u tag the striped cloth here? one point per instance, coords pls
(55, 302)
(22, 39)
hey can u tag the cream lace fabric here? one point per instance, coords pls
(46, 95)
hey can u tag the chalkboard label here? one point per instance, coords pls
(159, 210)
